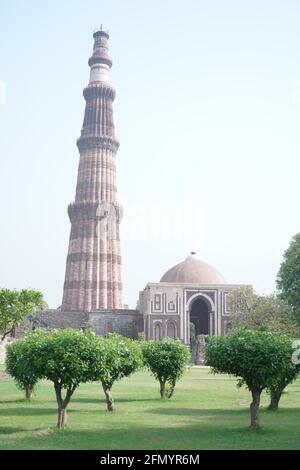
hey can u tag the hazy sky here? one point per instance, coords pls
(208, 116)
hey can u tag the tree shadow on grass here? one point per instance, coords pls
(31, 411)
(281, 409)
(198, 412)
(19, 400)
(12, 430)
(217, 412)
(117, 400)
(204, 435)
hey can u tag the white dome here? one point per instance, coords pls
(193, 271)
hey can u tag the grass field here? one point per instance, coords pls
(207, 412)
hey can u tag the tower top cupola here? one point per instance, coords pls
(100, 61)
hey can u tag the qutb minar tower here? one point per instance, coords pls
(93, 268)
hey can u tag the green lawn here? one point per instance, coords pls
(207, 412)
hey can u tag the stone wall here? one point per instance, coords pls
(126, 322)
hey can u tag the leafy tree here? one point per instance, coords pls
(288, 278)
(118, 357)
(66, 358)
(19, 364)
(261, 312)
(286, 375)
(167, 360)
(256, 358)
(15, 306)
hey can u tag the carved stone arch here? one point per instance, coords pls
(197, 295)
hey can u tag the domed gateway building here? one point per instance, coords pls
(191, 291)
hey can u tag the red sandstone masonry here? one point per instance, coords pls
(93, 270)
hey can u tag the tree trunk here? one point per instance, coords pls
(162, 388)
(108, 397)
(254, 409)
(171, 390)
(6, 333)
(275, 398)
(62, 404)
(62, 418)
(28, 393)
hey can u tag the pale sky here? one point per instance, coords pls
(207, 112)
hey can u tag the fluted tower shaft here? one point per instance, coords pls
(93, 268)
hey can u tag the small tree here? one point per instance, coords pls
(66, 358)
(167, 360)
(15, 306)
(118, 357)
(19, 364)
(256, 358)
(287, 374)
(259, 312)
(288, 278)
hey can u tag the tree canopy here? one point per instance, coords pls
(288, 278)
(15, 306)
(261, 312)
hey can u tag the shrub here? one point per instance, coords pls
(118, 357)
(167, 360)
(256, 358)
(66, 358)
(19, 364)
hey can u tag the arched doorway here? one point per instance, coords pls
(171, 333)
(157, 331)
(199, 316)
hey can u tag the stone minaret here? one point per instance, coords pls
(93, 269)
